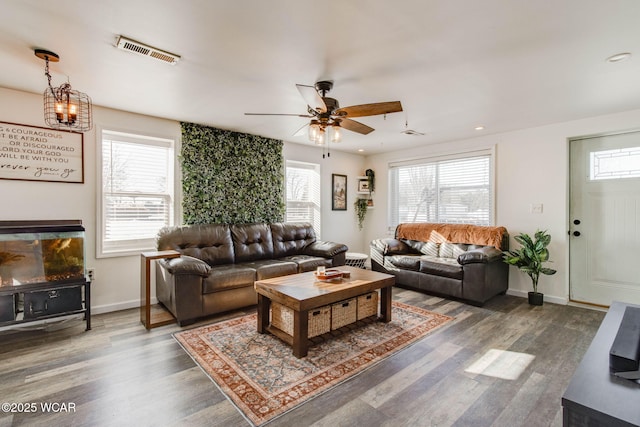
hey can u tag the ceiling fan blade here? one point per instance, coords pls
(303, 130)
(354, 126)
(278, 114)
(370, 109)
(312, 98)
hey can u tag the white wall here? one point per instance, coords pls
(337, 226)
(117, 283)
(532, 166)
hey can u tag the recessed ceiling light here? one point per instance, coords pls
(619, 57)
(479, 127)
(360, 150)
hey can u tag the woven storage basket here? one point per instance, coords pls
(319, 319)
(367, 305)
(343, 313)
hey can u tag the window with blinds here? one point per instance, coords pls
(454, 190)
(303, 193)
(137, 191)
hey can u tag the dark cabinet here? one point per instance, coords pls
(594, 396)
(42, 271)
(25, 303)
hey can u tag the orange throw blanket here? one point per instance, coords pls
(454, 233)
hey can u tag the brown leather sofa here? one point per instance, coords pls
(219, 263)
(454, 260)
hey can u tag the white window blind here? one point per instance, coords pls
(303, 193)
(137, 191)
(457, 190)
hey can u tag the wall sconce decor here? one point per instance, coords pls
(64, 108)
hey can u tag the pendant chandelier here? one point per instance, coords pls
(64, 108)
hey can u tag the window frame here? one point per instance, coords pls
(316, 199)
(462, 155)
(132, 246)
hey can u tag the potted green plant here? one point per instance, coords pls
(529, 258)
(371, 180)
(361, 206)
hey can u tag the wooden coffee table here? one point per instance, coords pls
(302, 293)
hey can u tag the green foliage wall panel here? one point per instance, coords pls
(230, 177)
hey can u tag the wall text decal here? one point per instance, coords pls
(31, 153)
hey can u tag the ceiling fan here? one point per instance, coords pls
(327, 118)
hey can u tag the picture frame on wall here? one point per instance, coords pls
(338, 192)
(363, 186)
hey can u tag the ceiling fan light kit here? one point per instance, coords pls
(328, 119)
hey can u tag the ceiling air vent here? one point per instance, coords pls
(146, 50)
(412, 132)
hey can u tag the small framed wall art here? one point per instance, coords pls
(363, 186)
(338, 192)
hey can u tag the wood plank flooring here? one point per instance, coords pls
(120, 374)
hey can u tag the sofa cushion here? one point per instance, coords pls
(482, 255)
(308, 262)
(209, 242)
(268, 268)
(186, 265)
(225, 277)
(452, 250)
(252, 242)
(406, 262)
(326, 249)
(446, 267)
(390, 246)
(425, 248)
(291, 238)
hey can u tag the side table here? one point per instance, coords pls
(163, 317)
(356, 259)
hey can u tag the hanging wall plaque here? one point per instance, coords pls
(31, 153)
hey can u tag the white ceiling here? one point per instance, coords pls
(454, 64)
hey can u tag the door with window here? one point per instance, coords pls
(604, 224)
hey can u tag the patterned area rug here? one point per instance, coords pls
(264, 380)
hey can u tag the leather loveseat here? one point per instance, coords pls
(455, 260)
(219, 263)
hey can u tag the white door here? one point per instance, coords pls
(604, 229)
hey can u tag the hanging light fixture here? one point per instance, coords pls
(314, 131)
(322, 133)
(64, 108)
(336, 132)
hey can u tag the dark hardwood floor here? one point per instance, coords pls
(119, 374)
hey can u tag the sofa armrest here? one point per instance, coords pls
(325, 249)
(480, 255)
(390, 246)
(186, 265)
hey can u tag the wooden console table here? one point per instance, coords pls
(594, 397)
(159, 318)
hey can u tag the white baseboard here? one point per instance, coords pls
(61, 322)
(108, 308)
(548, 298)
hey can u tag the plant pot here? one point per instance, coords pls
(536, 298)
